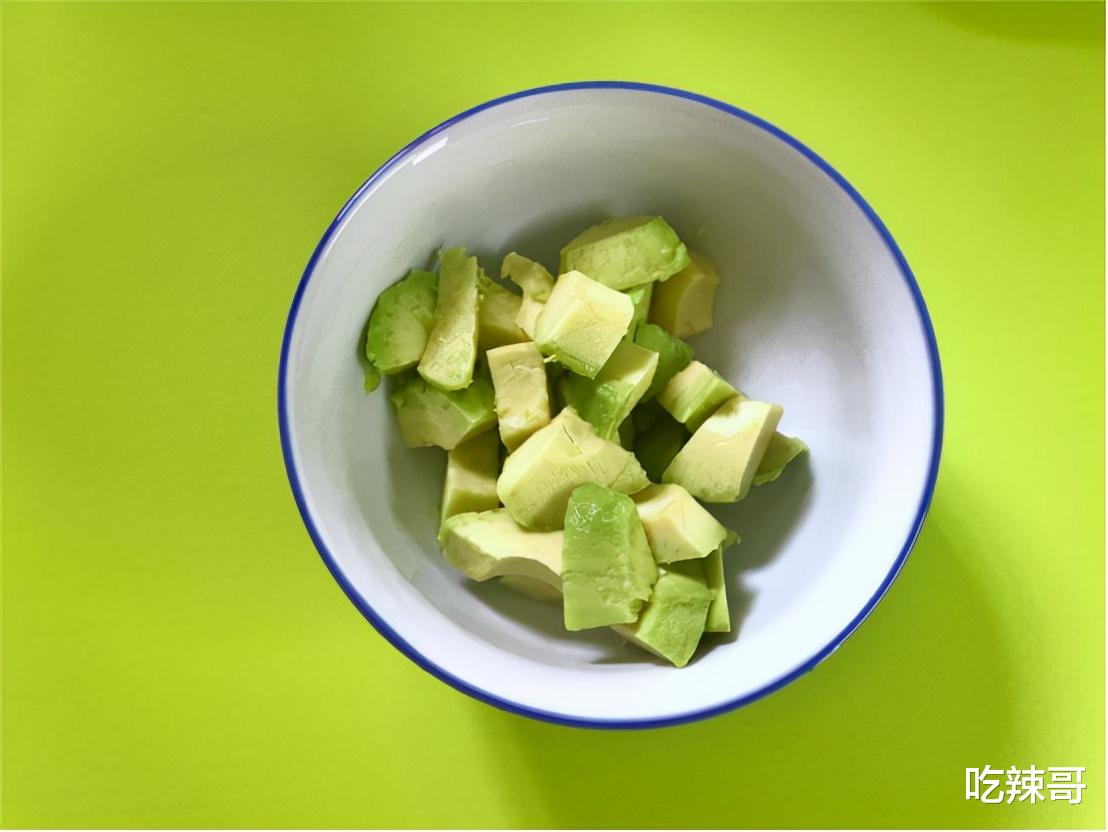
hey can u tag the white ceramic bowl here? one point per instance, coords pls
(817, 310)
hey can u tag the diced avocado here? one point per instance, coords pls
(677, 526)
(627, 434)
(582, 322)
(719, 616)
(781, 451)
(535, 281)
(372, 378)
(400, 323)
(718, 463)
(646, 413)
(684, 304)
(430, 416)
(532, 588)
(693, 394)
(622, 253)
(673, 621)
(640, 296)
(656, 446)
(471, 470)
(522, 400)
(496, 318)
(489, 544)
(674, 355)
(605, 401)
(607, 569)
(540, 474)
(451, 352)
(529, 310)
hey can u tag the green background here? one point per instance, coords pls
(175, 653)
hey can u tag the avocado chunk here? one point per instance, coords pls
(489, 544)
(718, 463)
(496, 316)
(656, 446)
(607, 568)
(430, 416)
(627, 252)
(471, 470)
(532, 588)
(674, 355)
(693, 394)
(719, 616)
(781, 451)
(400, 323)
(640, 296)
(535, 281)
(529, 310)
(451, 352)
(605, 401)
(684, 304)
(539, 476)
(671, 625)
(627, 434)
(647, 413)
(677, 526)
(522, 399)
(582, 322)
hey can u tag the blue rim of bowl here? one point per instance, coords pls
(549, 716)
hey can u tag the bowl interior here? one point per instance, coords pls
(813, 312)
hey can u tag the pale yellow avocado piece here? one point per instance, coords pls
(718, 463)
(489, 544)
(522, 396)
(626, 252)
(529, 310)
(427, 415)
(535, 281)
(496, 318)
(532, 588)
(684, 304)
(582, 323)
(451, 350)
(471, 471)
(693, 394)
(781, 451)
(539, 476)
(677, 526)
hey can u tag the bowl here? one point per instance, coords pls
(817, 310)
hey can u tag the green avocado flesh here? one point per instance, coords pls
(607, 568)
(693, 394)
(451, 352)
(430, 416)
(471, 470)
(780, 452)
(539, 476)
(401, 322)
(496, 317)
(656, 446)
(583, 439)
(623, 253)
(674, 355)
(606, 401)
(673, 622)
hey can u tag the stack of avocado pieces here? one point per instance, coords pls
(582, 435)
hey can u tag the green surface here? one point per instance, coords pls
(175, 653)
